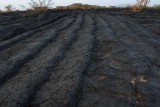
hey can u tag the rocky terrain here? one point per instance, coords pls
(80, 58)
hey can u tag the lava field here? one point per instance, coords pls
(80, 58)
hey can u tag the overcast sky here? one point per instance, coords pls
(17, 3)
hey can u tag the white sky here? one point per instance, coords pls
(17, 3)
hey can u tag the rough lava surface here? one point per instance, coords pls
(80, 58)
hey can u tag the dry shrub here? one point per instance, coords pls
(134, 8)
(39, 6)
(9, 8)
(141, 4)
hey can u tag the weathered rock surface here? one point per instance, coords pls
(91, 58)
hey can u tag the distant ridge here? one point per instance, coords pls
(80, 6)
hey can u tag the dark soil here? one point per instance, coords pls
(80, 58)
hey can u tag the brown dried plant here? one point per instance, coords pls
(9, 8)
(140, 5)
(39, 6)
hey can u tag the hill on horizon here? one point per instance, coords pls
(80, 6)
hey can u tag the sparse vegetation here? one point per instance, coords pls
(157, 6)
(42, 5)
(9, 8)
(140, 5)
(39, 6)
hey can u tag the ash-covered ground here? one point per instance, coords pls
(80, 58)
